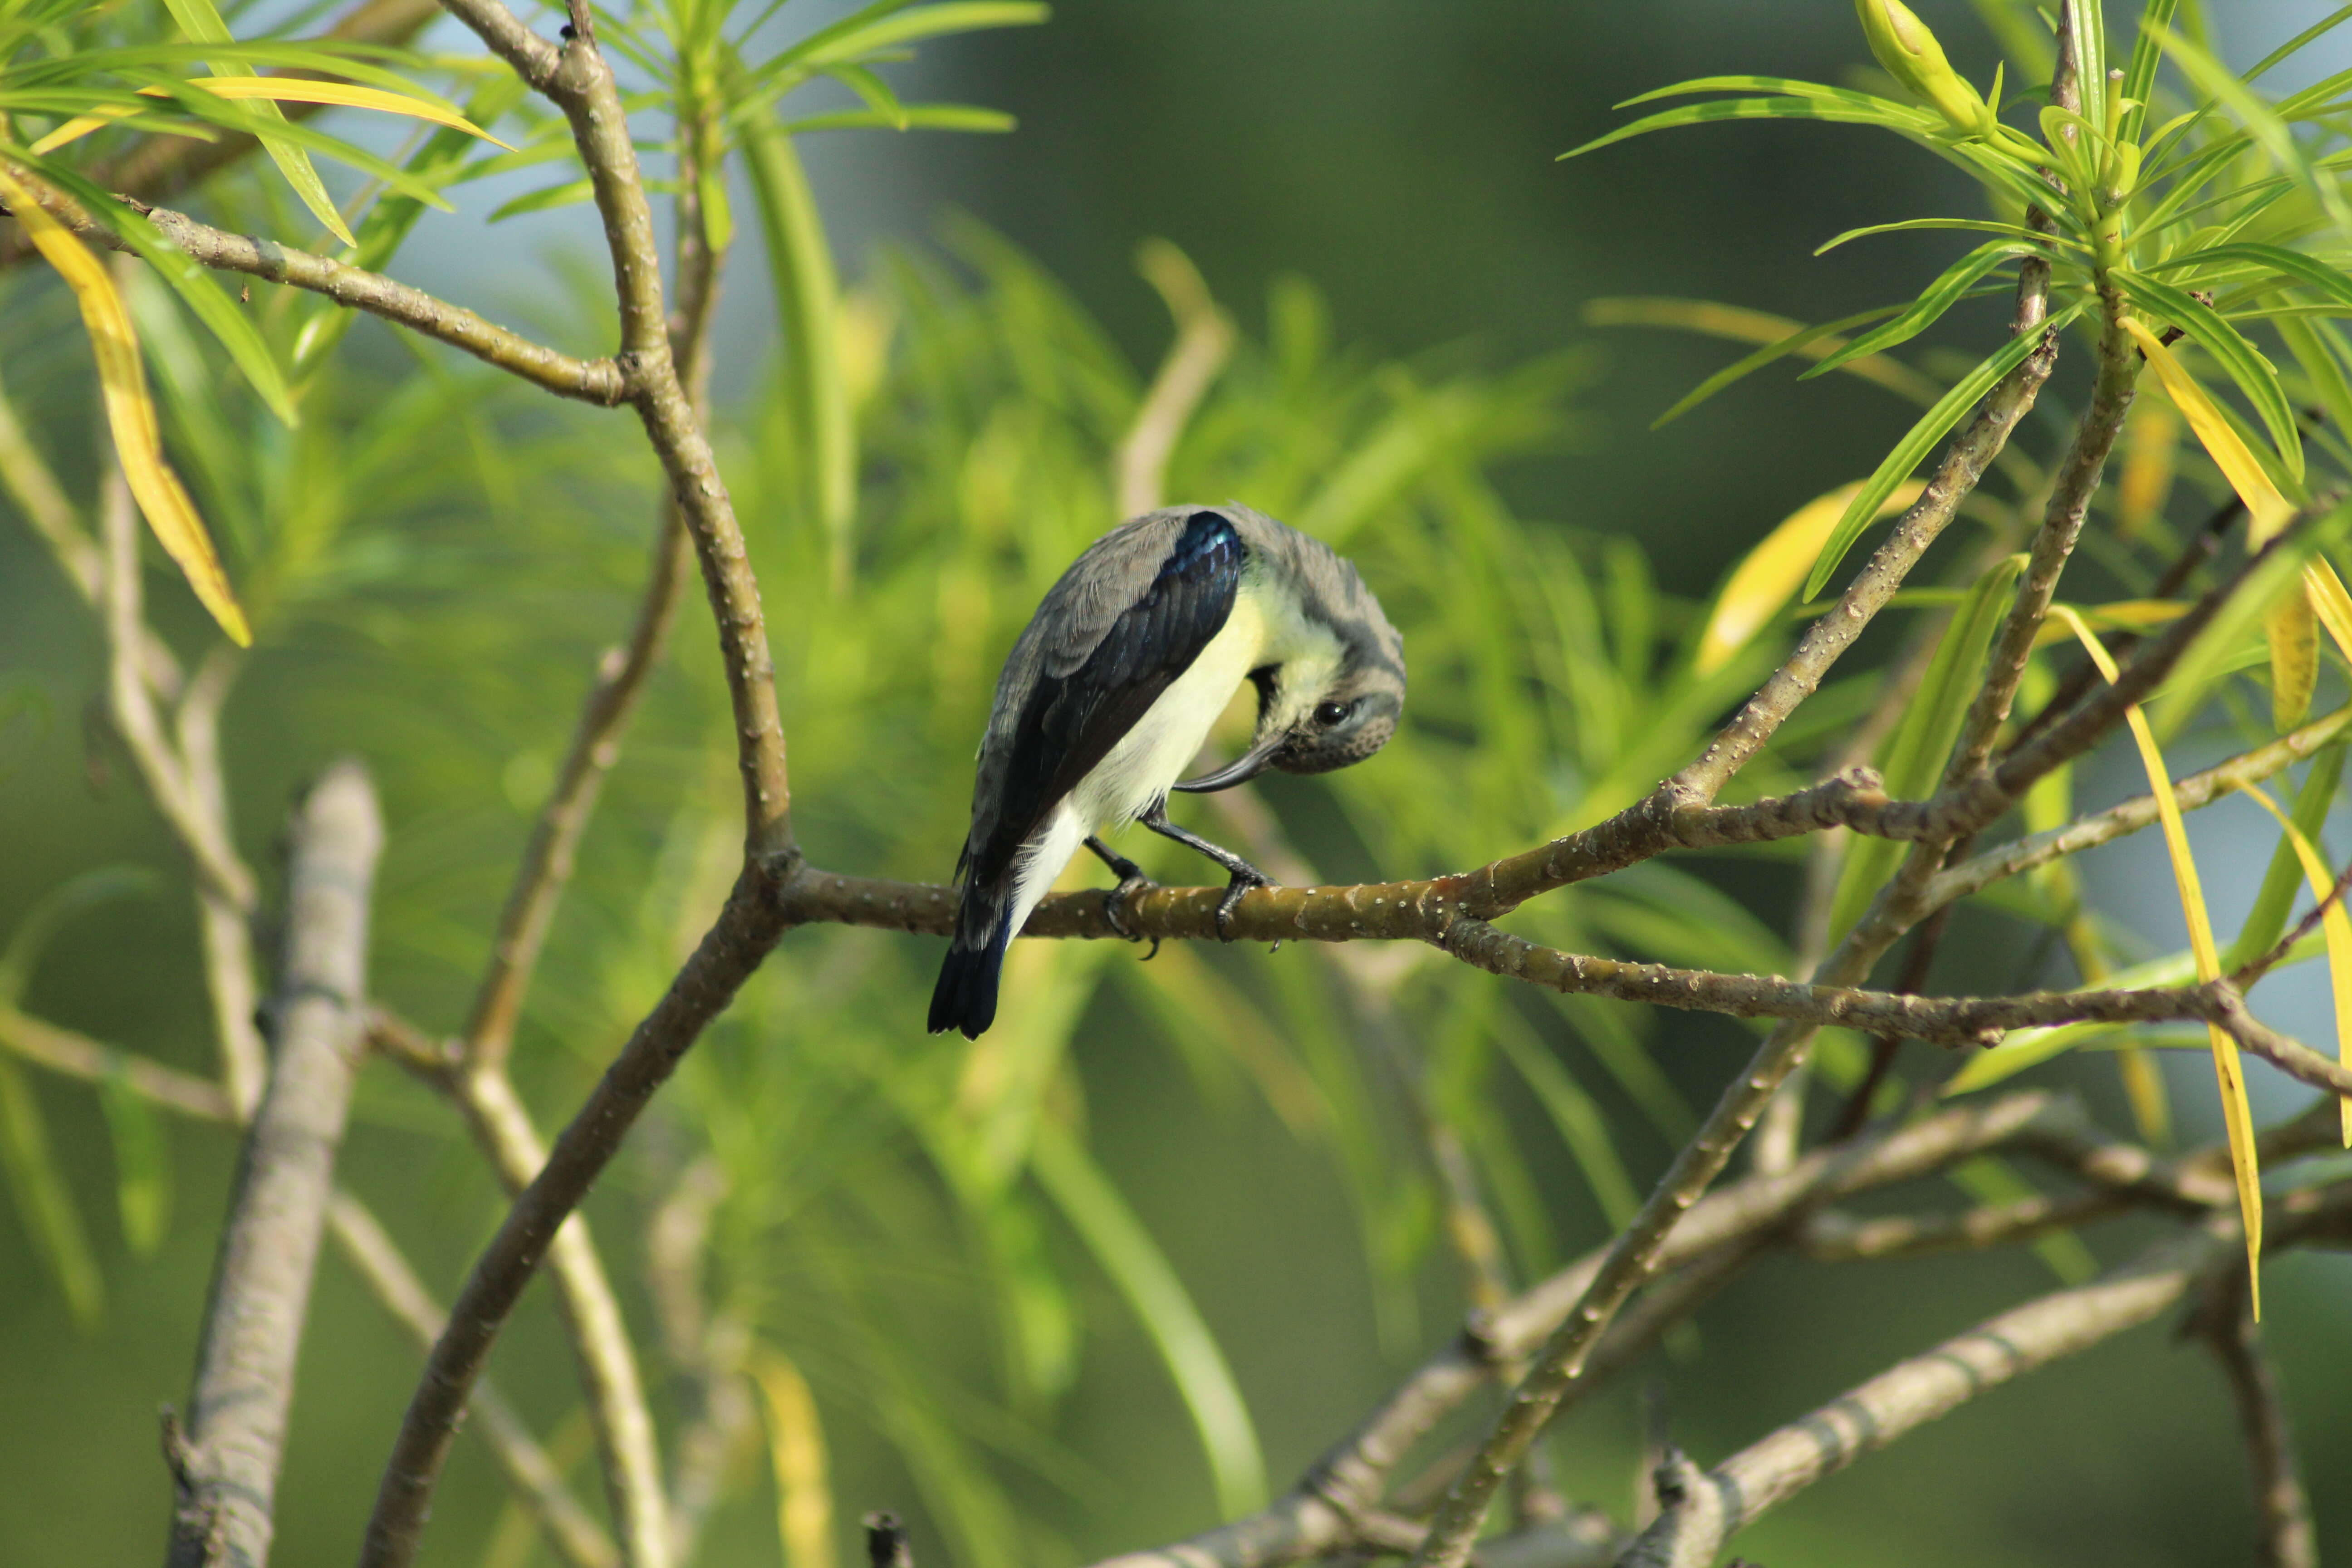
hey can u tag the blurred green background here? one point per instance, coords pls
(1397, 157)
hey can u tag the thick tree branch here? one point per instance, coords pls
(227, 1471)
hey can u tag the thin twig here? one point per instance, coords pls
(1204, 337)
(227, 1471)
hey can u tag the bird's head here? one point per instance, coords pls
(1334, 696)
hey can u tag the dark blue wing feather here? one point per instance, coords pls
(1070, 723)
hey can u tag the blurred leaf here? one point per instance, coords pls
(1991, 1180)
(1912, 450)
(43, 1200)
(2139, 84)
(2293, 632)
(796, 1454)
(1580, 1121)
(142, 1165)
(1160, 1303)
(1779, 336)
(569, 193)
(1769, 576)
(1915, 756)
(89, 890)
(130, 412)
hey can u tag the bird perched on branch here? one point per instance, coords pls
(1112, 690)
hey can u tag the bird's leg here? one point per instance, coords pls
(1242, 874)
(1132, 882)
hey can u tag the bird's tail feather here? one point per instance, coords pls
(965, 997)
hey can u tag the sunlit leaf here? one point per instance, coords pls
(130, 412)
(1920, 439)
(2227, 1071)
(2338, 927)
(1915, 758)
(285, 90)
(1933, 302)
(1764, 582)
(2255, 376)
(1779, 336)
(203, 23)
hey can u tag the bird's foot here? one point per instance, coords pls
(1244, 877)
(1115, 907)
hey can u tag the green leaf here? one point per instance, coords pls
(196, 288)
(2140, 76)
(912, 117)
(849, 40)
(1874, 112)
(2088, 31)
(1141, 1273)
(1994, 1181)
(202, 23)
(1928, 309)
(1574, 1115)
(1915, 756)
(2320, 353)
(2262, 122)
(2326, 25)
(142, 1163)
(1779, 336)
(2255, 376)
(2293, 265)
(1920, 439)
(1978, 225)
(2266, 921)
(572, 193)
(43, 1200)
(38, 925)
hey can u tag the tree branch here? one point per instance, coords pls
(1915, 1392)
(227, 1473)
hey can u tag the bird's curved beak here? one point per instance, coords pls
(1241, 770)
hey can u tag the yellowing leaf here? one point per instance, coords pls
(2147, 477)
(2236, 1116)
(130, 412)
(2329, 602)
(2293, 634)
(2339, 927)
(1773, 571)
(2266, 509)
(796, 1450)
(2119, 614)
(282, 90)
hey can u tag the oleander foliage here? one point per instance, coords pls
(430, 558)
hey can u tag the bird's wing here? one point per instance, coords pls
(1124, 622)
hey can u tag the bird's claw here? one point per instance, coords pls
(1242, 881)
(1115, 908)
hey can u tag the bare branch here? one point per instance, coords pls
(602, 381)
(1915, 1392)
(227, 1472)
(77, 1056)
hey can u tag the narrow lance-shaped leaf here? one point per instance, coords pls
(130, 412)
(43, 1200)
(796, 1454)
(2140, 76)
(1777, 334)
(1914, 760)
(282, 90)
(1769, 575)
(2338, 926)
(1158, 1298)
(203, 23)
(2266, 919)
(2288, 623)
(1933, 302)
(2228, 1072)
(2254, 374)
(142, 1167)
(1920, 439)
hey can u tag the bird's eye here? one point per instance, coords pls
(1328, 714)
